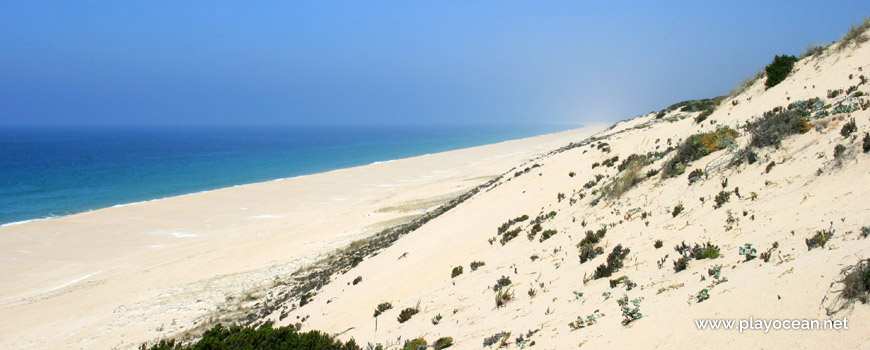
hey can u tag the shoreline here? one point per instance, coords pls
(176, 260)
(53, 216)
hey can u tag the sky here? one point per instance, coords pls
(105, 63)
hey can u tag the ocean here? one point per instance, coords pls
(51, 172)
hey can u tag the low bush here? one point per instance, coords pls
(415, 344)
(697, 146)
(856, 283)
(695, 175)
(476, 264)
(443, 343)
(589, 252)
(629, 313)
(779, 69)
(819, 239)
(502, 282)
(849, 128)
(263, 337)
(774, 127)
(866, 144)
(681, 264)
(677, 209)
(658, 244)
(839, 151)
(382, 307)
(547, 234)
(407, 313)
(705, 251)
(721, 199)
(855, 34)
(509, 235)
(592, 238)
(614, 262)
(503, 296)
(357, 280)
(748, 251)
(456, 272)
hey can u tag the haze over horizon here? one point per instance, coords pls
(168, 63)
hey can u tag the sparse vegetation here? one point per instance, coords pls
(819, 239)
(681, 264)
(856, 283)
(589, 252)
(443, 343)
(382, 307)
(503, 296)
(748, 251)
(407, 313)
(590, 319)
(677, 209)
(262, 337)
(415, 344)
(721, 199)
(695, 175)
(547, 234)
(614, 262)
(697, 146)
(848, 128)
(779, 69)
(658, 244)
(839, 151)
(456, 272)
(476, 264)
(356, 280)
(855, 34)
(775, 126)
(866, 144)
(630, 313)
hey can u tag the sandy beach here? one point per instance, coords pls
(120, 276)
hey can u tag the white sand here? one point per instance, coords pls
(793, 202)
(123, 275)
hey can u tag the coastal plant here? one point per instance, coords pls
(456, 272)
(819, 239)
(503, 296)
(765, 255)
(855, 34)
(769, 167)
(704, 294)
(865, 231)
(502, 282)
(614, 262)
(590, 319)
(658, 244)
(415, 344)
(721, 199)
(476, 265)
(681, 264)
(748, 251)
(407, 313)
(261, 337)
(866, 144)
(592, 238)
(356, 280)
(779, 69)
(839, 151)
(856, 283)
(705, 251)
(382, 307)
(696, 147)
(695, 175)
(443, 343)
(848, 128)
(547, 234)
(630, 310)
(571, 174)
(500, 338)
(677, 209)
(589, 252)
(774, 126)
(437, 319)
(627, 178)
(509, 235)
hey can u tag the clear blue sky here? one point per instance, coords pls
(372, 62)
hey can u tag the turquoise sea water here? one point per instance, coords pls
(51, 172)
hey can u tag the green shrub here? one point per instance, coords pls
(614, 262)
(681, 264)
(629, 175)
(456, 272)
(866, 145)
(263, 337)
(356, 280)
(415, 344)
(695, 175)
(629, 314)
(443, 343)
(509, 235)
(382, 307)
(849, 128)
(779, 69)
(856, 283)
(677, 209)
(658, 244)
(697, 146)
(748, 251)
(589, 252)
(774, 127)
(819, 239)
(706, 251)
(503, 296)
(571, 174)
(407, 313)
(839, 151)
(721, 199)
(476, 264)
(547, 234)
